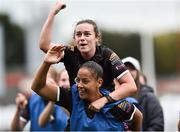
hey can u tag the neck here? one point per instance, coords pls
(95, 97)
(88, 55)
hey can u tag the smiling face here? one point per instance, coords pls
(88, 84)
(85, 38)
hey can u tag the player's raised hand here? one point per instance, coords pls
(57, 7)
(54, 54)
(21, 101)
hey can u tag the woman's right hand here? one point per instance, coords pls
(54, 54)
(21, 101)
(57, 7)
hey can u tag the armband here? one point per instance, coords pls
(124, 111)
(109, 98)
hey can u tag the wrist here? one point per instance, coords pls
(52, 15)
(109, 98)
(46, 63)
(18, 108)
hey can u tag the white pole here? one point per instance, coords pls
(2, 64)
(148, 63)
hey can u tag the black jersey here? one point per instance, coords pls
(110, 62)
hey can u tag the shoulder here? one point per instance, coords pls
(146, 88)
(107, 52)
(34, 99)
(74, 90)
(104, 49)
(148, 98)
(131, 100)
(146, 91)
(35, 96)
(74, 87)
(104, 91)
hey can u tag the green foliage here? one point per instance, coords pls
(166, 47)
(166, 53)
(124, 44)
(14, 43)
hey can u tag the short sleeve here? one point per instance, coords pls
(118, 67)
(124, 111)
(64, 98)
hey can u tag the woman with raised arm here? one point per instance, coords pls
(87, 47)
(46, 115)
(78, 100)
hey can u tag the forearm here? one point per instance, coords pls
(124, 87)
(46, 33)
(123, 91)
(45, 116)
(15, 125)
(40, 78)
(137, 120)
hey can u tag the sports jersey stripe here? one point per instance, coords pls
(122, 74)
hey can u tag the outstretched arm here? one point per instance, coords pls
(46, 32)
(124, 87)
(47, 87)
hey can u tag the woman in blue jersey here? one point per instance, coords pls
(29, 108)
(47, 114)
(86, 90)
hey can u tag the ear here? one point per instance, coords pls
(100, 82)
(97, 40)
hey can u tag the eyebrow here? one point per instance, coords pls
(82, 31)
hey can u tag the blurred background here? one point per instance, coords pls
(148, 30)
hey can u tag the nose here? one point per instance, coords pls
(79, 85)
(82, 37)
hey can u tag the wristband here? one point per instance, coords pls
(109, 98)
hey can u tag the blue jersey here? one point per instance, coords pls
(101, 121)
(36, 105)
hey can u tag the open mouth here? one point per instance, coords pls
(83, 44)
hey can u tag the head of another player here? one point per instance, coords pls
(89, 80)
(86, 36)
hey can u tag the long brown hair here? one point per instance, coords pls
(138, 84)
